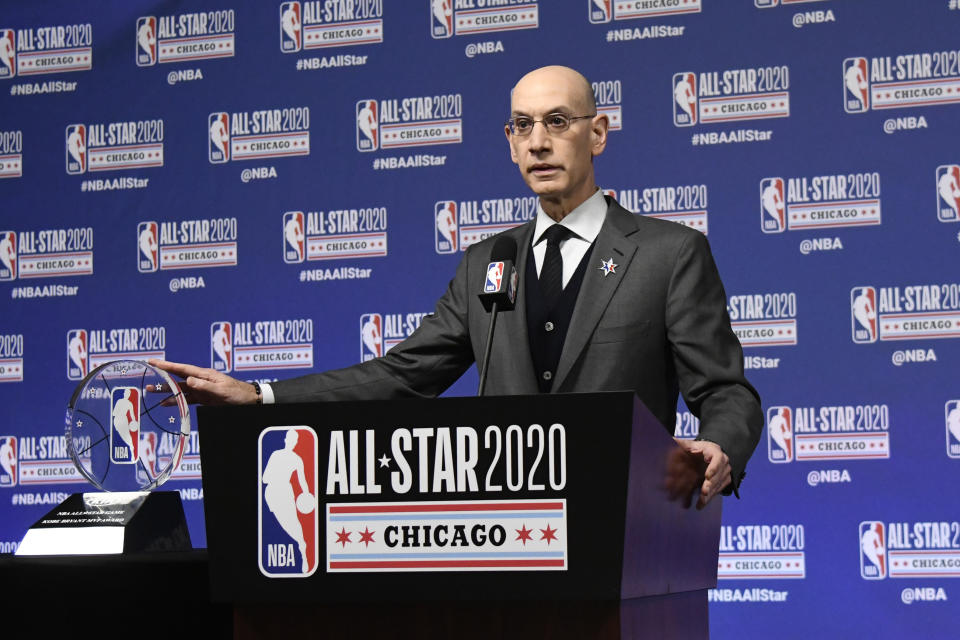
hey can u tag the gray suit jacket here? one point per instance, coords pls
(656, 325)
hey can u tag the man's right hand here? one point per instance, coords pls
(206, 386)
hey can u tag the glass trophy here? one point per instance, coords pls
(127, 427)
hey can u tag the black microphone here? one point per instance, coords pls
(499, 292)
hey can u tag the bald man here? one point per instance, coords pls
(609, 301)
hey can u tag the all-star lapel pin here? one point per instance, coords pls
(608, 267)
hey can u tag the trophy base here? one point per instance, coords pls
(110, 523)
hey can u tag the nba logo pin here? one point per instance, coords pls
(76, 354)
(599, 11)
(445, 226)
(293, 243)
(873, 551)
(367, 126)
(147, 247)
(125, 417)
(221, 347)
(951, 412)
(76, 149)
(371, 336)
(441, 18)
(863, 314)
(218, 129)
(288, 523)
(146, 41)
(856, 87)
(494, 277)
(8, 255)
(773, 215)
(290, 27)
(780, 443)
(948, 193)
(8, 461)
(684, 99)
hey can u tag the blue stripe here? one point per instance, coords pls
(426, 556)
(486, 515)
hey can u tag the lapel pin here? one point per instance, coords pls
(608, 267)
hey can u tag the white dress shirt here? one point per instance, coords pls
(584, 221)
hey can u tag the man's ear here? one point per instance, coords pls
(598, 133)
(513, 151)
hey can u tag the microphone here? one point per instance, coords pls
(499, 292)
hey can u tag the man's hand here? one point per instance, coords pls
(206, 386)
(697, 462)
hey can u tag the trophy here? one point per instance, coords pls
(127, 427)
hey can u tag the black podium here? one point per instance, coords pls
(533, 516)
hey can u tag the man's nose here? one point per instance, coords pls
(539, 138)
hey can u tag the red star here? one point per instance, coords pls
(523, 534)
(366, 536)
(548, 534)
(343, 537)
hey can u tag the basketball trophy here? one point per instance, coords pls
(127, 427)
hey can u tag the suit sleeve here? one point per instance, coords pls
(708, 357)
(423, 365)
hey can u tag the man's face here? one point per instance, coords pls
(556, 166)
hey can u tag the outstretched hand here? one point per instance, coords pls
(697, 462)
(206, 386)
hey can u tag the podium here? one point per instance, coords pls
(526, 516)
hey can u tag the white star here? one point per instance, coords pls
(79, 423)
(384, 461)
(608, 267)
(171, 419)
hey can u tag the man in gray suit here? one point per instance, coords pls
(608, 301)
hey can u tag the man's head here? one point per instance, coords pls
(557, 166)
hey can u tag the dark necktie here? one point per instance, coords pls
(551, 273)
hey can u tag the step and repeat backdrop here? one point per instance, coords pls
(274, 188)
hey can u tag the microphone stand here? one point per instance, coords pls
(485, 365)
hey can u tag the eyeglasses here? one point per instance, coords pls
(552, 122)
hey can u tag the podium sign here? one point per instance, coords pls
(510, 498)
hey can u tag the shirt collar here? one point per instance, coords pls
(585, 221)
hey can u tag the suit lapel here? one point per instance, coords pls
(513, 326)
(597, 288)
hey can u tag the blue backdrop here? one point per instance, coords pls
(271, 188)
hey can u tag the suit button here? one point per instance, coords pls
(547, 375)
(548, 326)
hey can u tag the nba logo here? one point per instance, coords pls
(951, 413)
(773, 217)
(8, 255)
(494, 277)
(221, 347)
(684, 99)
(863, 313)
(856, 98)
(8, 53)
(873, 551)
(445, 226)
(371, 336)
(948, 193)
(441, 18)
(147, 247)
(147, 469)
(288, 526)
(367, 138)
(290, 27)
(600, 11)
(76, 149)
(146, 41)
(219, 133)
(8, 461)
(780, 434)
(293, 244)
(76, 354)
(125, 434)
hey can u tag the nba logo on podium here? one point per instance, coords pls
(125, 416)
(684, 99)
(76, 354)
(287, 523)
(441, 18)
(445, 226)
(863, 314)
(600, 11)
(780, 442)
(8, 461)
(494, 277)
(371, 336)
(856, 88)
(76, 149)
(146, 41)
(147, 236)
(873, 551)
(773, 215)
(219, 137)
(290, 27)
(8, 255)
(221, 347)
(367, 123)
(293, 244)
